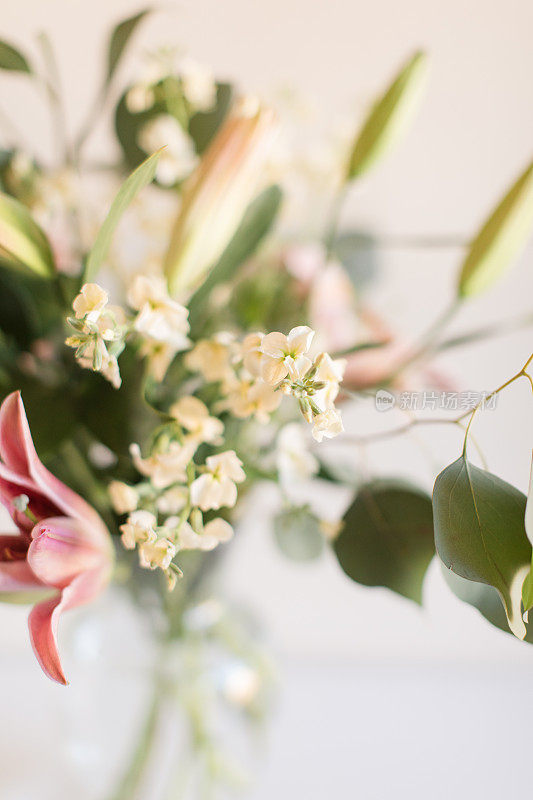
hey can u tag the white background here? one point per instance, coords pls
(378, 697)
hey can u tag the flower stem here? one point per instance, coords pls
(429, 339)
(132, 778)
(333, 225)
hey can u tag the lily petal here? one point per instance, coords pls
(17, 576)
(61, 549)
(18, 453)
(44, 618)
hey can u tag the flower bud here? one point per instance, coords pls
(217, 194)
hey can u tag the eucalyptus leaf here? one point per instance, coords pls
(23, 244)
(139, 178)
(120, 36)
(358, 253)
(484, 598)
(12, 59)
(298, 535)
(387, 537)
(254, 226)
(527, 588)
(480, 533)
(389, 117)
(501, 238)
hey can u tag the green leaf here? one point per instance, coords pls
(23, 244)
(484, 598)
(480, 532)
(29, 597)
(527, 588)
(254, 226)
(501, 238)
(12, 59)
(204, 124)
(139, 178)
(19, 319)
(389, 117)
(387, 537)
(358, 253)
(298, 535)
(118, 42)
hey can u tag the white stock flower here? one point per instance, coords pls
(90, 301)
(157, 554)
(160, 356)
(327, 425)
(215, 532)
(108, 364)
(331, 373)
(216, 487)
(138, 529)
(124, 498)
(251, 353)
(173, 500)
(194, 416)
(160, 318)
(212, 358)
(198, 83)
(281, 352)
(248, 397)
(294, 461)
(178, 157)
(166, 467)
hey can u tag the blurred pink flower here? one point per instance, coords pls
(63, 549)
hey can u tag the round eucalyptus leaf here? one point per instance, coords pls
(480, 532)
(387, 537)
(298, 535)
(484, 598)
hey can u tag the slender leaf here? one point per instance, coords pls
(254, 226)
(387, 538)
(501, 238)
(12, 59)
(480, 532)
(389, 117)
(23, 244)
(120, 37)
(139, 178)
(298, 535)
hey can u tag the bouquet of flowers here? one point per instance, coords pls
(132, 431)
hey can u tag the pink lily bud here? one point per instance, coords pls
(63, 549)
(216, 195)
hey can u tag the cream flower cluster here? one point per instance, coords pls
(165, 511)
(255, 373)
(161, 322)
(101, 330)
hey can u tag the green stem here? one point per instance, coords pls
(487, 332)
(52, 84)
(132, 778)
(333, 226)
(429, 339)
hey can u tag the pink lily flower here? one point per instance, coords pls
(63, 548)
